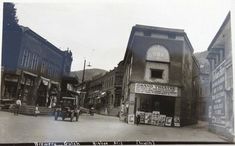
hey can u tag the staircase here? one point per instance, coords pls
(30, 110)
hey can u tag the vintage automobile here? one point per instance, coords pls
(67, 108)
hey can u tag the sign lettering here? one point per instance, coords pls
(156, 89)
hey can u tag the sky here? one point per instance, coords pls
(98, 30)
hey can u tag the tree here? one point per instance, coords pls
(10, 20)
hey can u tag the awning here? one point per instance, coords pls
(11, 80)
(54, 82)
(45, 81)
(103, 94)
(69, 98)
(29, 73)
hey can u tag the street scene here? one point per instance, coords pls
(93, 128)
(105, 71)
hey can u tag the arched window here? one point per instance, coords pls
(157, 64)
(158, 53)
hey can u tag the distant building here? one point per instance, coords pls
(104, 92)
(160, 74)
(32, 67)
(221, 111)
(69, 88)
(204, 89)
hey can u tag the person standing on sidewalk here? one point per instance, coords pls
(36, 110)
(17, 108)
(137, 119)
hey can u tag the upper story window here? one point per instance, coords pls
(157, 64)
(156, 73)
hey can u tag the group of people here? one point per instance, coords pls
(18, 104)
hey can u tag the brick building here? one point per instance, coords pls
(221, 113)
(104, 91)
(32, 67)
(160, 75)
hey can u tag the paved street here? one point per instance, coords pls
(24, 128)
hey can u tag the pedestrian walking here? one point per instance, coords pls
(36, 112)
(77, 112)
(17, 107)
(137, 119)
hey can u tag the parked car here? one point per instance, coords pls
(67, 108)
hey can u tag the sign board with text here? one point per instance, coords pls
(218, 95)
(156, 89)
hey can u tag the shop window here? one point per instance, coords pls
(156, 73)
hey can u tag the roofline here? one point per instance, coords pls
(160, 29)
(226, 20)
(27, 29)
(156, 29)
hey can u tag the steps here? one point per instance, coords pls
(30, 110)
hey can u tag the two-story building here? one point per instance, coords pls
(32, 67)
(159, 76)
(104, 91)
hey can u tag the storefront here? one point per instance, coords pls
(26, 87)
(155, 103)
(42, 92)
(149, 103)
(10, 86)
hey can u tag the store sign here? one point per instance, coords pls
(218, 95)
(156, 89)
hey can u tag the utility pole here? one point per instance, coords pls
(84, 71)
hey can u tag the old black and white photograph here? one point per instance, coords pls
(104, 72)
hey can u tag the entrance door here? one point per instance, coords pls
(42, 94)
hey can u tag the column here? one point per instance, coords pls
(131, 109)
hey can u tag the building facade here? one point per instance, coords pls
(160, 77)
(221, 112)
(104, 91)
(204, 89)
(32, 67)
